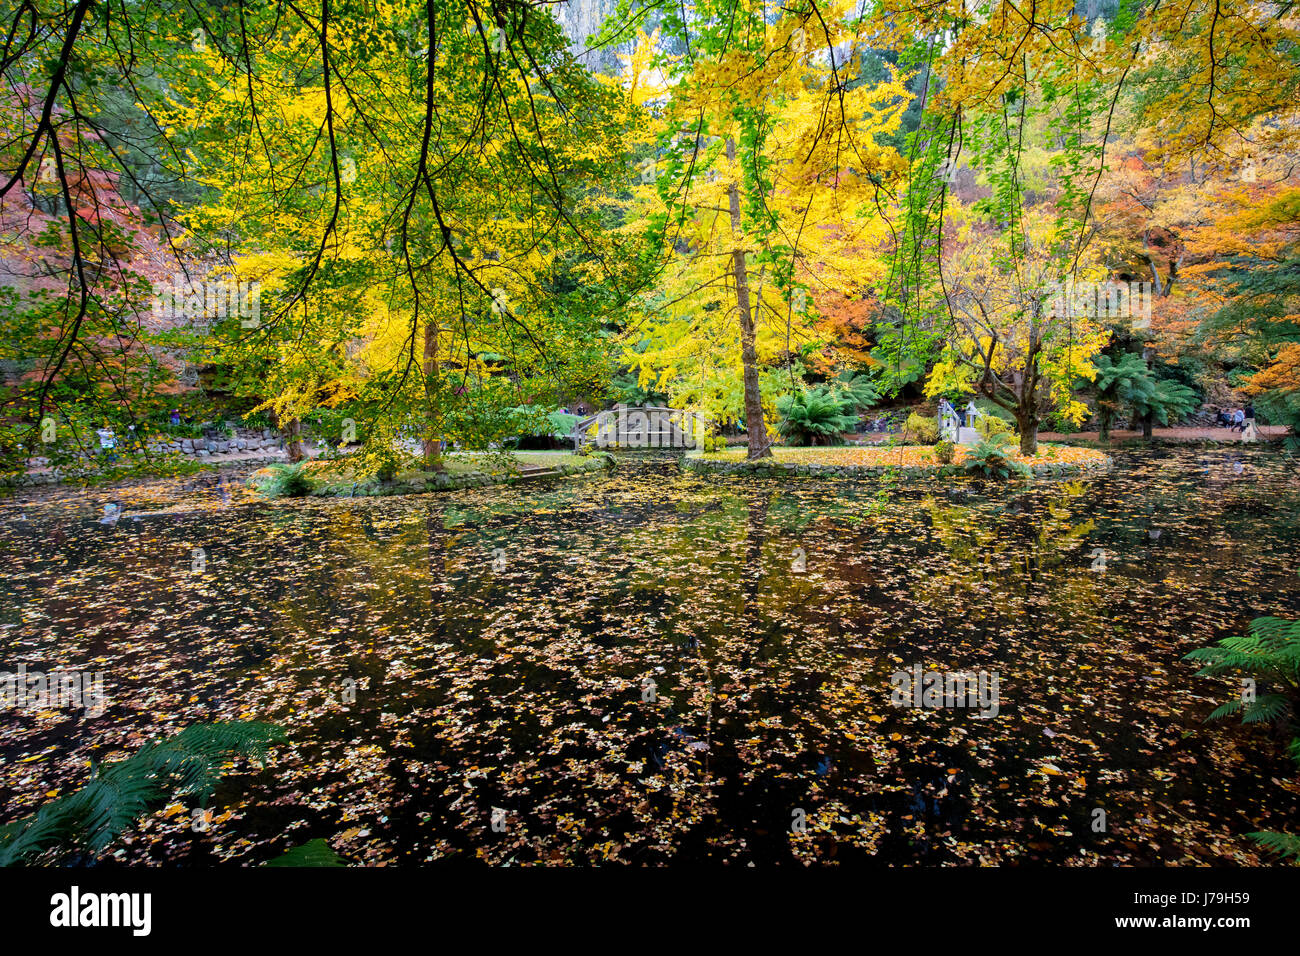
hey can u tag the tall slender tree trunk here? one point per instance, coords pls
(1147, 419)
(293, 440)
(431, 443)
(755, 427)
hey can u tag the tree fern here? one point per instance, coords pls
(119, 793)
(853, 390)
(284, 481)
(813, 414)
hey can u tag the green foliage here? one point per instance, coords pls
(921, 429)
(328, 424)
(259, 420)
(813, 416)
(536, 420)
(285, 481)
(627, 390)
(1117, 376)
(182, 430)
(186, 765)
(1282, 406)
(944, 451)
(854, 390)
(992, 458)
(1283, 844)
(1167, 402)
(1061, 423)
(1269, 652)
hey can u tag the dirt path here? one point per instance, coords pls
(1177, 434)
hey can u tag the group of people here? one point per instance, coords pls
(1237, 419)
(108, 441)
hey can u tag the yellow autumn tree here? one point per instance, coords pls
(768, 183)
(1018, 336)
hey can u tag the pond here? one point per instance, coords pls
(653, 667)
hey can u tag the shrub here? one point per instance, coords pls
(988, 425)
(285, 481)
(991, 458)
(921, 429)
(1062, 424)
(714, 443)
(945, 451)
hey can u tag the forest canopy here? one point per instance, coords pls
(432, 219)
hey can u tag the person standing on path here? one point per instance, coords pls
(1238, 420)
(107, 442)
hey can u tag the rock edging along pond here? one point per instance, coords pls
(773, 468)
(446, 481)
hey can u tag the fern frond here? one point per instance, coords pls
(119, 793)
(1283, 844)
(1268, 708)
(1227, 710)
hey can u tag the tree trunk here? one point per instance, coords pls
(1105, 416)
(1027, 425)
(1029, 437)
(755, 427)
(293, 440)
(431, 443)
(1147, 353)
